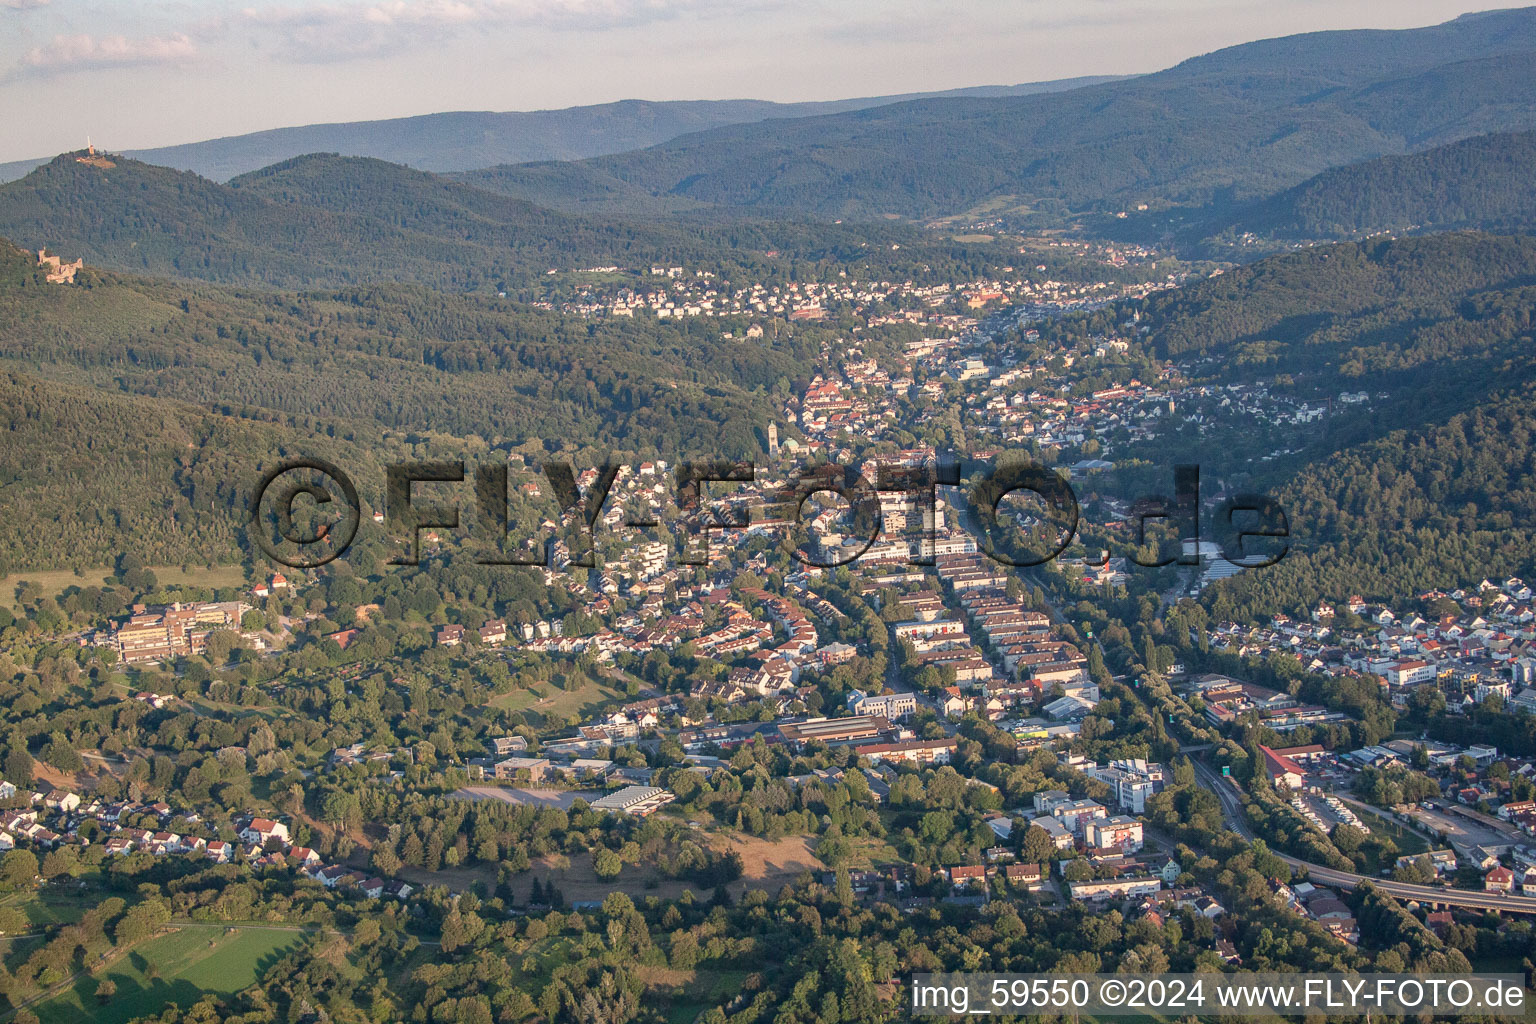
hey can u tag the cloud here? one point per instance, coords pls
(340, 31)
(85, 52)
(23, 5)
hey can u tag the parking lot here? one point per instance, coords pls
(1327, 811)
(1460, 831)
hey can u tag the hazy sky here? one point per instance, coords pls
(157, 72)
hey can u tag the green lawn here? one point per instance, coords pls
(1409, 842)
(547, 704)
(189, 963)
(53, 904)
(682, 1003)
(212, 708)
(873, 853)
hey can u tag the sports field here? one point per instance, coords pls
(181, 968)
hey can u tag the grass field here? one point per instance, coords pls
(767, 864)
(1409, 842)
(548, 704)
(686, 994)
(53, 904)
(873, 853)
(188, 964)
(56, 581)
(204, 706)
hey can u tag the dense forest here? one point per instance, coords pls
(328, 220)
(1431, 480)
(88, 474)
(1355, 308)
(403, 358)
(196, 388)
(1482, 182)
(1415, 510)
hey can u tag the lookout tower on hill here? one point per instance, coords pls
(94, 158)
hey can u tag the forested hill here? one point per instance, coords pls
(1415, 510)
(1429, 326)
(1436, 473)
(368, 221)
(1240, 123)
(93, 473)
(505, 232)
(168, 375)
(324, 220)
(405, 358)
(438, 207)
(1356, 307)
(399, 195)
(1482, 182)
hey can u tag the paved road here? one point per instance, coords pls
(1232, 812)
(1505, 902)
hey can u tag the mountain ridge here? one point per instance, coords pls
(321, 220)
(1244, 120)
(461, 140)
(315, 221)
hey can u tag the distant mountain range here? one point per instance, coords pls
(1233, 125)
(465, 140)
(1434, 128)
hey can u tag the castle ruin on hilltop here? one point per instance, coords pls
(59, 272)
